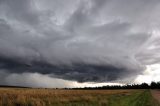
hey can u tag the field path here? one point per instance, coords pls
(156, 94)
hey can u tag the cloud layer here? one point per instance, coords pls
(80, 40)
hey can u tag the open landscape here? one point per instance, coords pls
(62, 97)
(79, 53)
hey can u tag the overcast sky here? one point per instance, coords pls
(74, 43)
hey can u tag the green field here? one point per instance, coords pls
(52, 97)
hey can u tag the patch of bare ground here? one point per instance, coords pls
(156, 94)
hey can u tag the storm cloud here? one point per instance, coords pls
(79, 40)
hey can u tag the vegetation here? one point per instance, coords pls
(153, 85)
(139, 98)
(61, 97)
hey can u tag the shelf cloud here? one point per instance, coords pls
(79, 40)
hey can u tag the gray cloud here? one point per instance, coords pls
(88, 40)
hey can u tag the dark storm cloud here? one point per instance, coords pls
(78, 72)
(81, 40)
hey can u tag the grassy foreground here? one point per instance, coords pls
(51, 97)
(139, 98)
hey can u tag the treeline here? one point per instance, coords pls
(153, 85)
(8, 86)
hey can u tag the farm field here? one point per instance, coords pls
(156, 94)
(61, 97)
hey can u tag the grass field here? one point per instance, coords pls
(51, 97)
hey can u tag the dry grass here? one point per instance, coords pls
(51, 97)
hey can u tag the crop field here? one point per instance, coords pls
(61, 97)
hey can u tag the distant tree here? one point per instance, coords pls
(158, 85)
(144, 85)
(153, 85)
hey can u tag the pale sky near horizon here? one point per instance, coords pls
(78, 43)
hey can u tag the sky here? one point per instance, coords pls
(78, 43)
